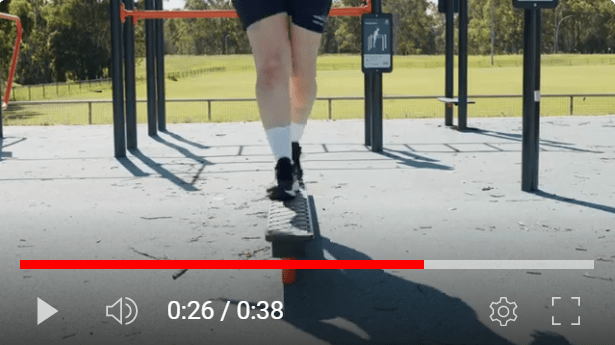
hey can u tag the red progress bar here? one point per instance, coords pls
(217, 264)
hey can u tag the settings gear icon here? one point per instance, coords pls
(503, 311)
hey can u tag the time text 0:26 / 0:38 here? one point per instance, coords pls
(194, 310)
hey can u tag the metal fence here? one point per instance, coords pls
(94, 112)
(54, 90)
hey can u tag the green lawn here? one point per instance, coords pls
(341, 76)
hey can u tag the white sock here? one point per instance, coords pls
(296, 131)
(279, 141)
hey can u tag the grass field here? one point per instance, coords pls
(341, 76)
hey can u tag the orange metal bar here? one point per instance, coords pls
(9, 81)
(150, 14)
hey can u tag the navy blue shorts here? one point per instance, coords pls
(308, 14)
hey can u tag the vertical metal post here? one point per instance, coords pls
(571, 104)
(531, 97)
(209, 110)
(162, 120)
(376, 95)
(368, 108)
(449, 59)
(90, 113)
(377, 136)
(330, 115)
(119, 134)
(1, 100)
(150, 51)
(131, 93)
(463, 65)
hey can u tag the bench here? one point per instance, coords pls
(289, 228)
(454, 100)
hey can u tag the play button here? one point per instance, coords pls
(43, 311)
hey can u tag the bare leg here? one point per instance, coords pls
(272, 58)
(304, 47)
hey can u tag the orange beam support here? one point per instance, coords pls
(9, 81)
(149, 14)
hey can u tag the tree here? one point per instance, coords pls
(79, 39)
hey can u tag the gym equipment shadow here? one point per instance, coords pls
(386, 308)
(380, 307)
(519, 138)
(414, 160)
(156, 167)
(3, 145)
(574, 201)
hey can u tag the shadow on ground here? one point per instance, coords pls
(157, 168)
(575, 201)
(519, 138)
(184, 140)
(413, 160)
(375, 307)
(548, 338)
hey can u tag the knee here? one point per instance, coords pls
(272, 71)
(304, 84)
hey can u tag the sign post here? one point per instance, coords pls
(531, 90)
(1, 106)
(376, 58)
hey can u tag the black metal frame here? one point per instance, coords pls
(462, 111)
(160, 89)
(1, 132)
(150, 52)
(452, 7)
(531, 100)
(124, 114)
(123, 48)
(373, 97)
(119, 134)
(449, 63)
(129, 75)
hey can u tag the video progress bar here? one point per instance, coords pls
(308, 264)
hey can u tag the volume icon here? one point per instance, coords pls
(116, 311)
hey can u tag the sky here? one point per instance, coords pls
(173, 4)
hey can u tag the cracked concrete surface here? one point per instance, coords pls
(198, 193)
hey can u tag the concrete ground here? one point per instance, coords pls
(197, 192)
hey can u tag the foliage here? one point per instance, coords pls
(68, 40)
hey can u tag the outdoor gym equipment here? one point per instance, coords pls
(531, 89)
(9, 81)
(122, 44)
(290, 225)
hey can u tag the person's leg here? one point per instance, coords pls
(272, 58)
(304, 48)
(309, 20)
(266, 24)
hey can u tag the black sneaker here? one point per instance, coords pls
(284, 189)
(296, 163)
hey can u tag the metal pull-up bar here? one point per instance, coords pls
(9, 81)
(122, 53)
(165, 14)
